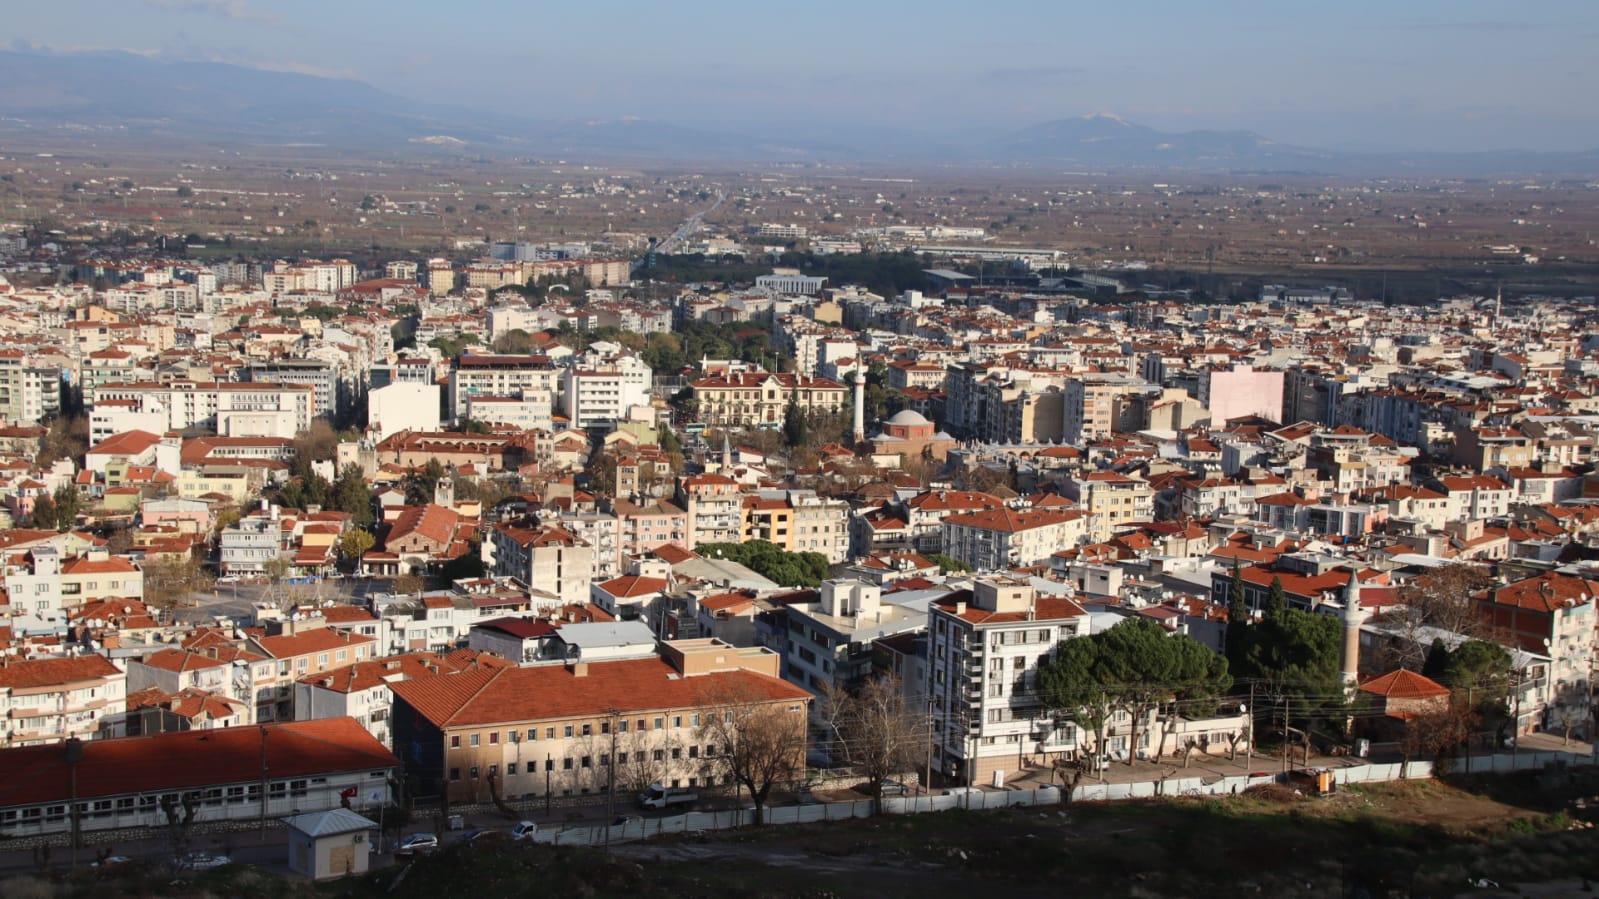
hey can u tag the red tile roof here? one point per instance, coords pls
(192, 759)
(1404, 684)
(34, 673)
(554, 691)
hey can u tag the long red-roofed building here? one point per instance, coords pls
(123, 782)
(461, 732)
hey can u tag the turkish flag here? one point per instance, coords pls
(350, 793)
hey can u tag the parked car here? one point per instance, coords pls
(229, 579)
(895, 788)
(111, 861)
(202, 861)
(524, 830)
(416, 844)
(963, 791)
(625, 820)
(472, 836)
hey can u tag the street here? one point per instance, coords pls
(236, 601)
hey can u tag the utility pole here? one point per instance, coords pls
(1287, 749)
(549, 764)
(929, 775)
(74, 748)
(1249, 728)
(610, 781)
(261, 828)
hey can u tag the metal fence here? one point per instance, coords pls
(973, 799)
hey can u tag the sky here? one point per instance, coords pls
(1356, 74)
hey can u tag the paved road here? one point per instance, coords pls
(237, 601)
(689, 227)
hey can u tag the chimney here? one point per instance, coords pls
(579, 669)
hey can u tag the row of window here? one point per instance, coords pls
(583, 730)
(585, 762)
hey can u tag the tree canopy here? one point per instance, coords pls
(803, 569)
(1136, 666)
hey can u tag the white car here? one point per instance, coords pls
(416, 844)
(229, 579)
(524, 830)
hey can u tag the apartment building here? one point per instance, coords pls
(231, 409)
(361, 690)
(55, 699)
(1111, 500)
(249, 544)
(984, 652)
(644, 528)
(602, 392)
(550, 559)
(28, 392)
(1004, 538)
(321, 376)
(499, 376)
(714, 508)
(830, 642)
(575, 729)
(300, 648)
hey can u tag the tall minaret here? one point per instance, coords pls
(727, 453)
(860, 407)
(1354, 617)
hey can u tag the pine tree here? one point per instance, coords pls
(1276, 600)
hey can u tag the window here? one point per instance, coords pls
(472, 740)
(566, 763)
(693, 752)
(455, 741)
(549, 733)
(605, 727)
(588, 730)
(510, 769)
(658, 755)
(474, 772)
(494, 738)
(694, 721)
(1018, 663)
(455, 774)
(677, 720)
(621, 758)
(677, 753)
(568, 730)
(621, 726)
(532, 734)
(586, 763)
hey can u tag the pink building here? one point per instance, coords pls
(1241, 392)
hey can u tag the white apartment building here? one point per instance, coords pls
(502, 376)
(533, 411)
(52, 700)
(983, 661)
(602, 394)
(231, 409)
(1004, 538)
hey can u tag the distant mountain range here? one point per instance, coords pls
(117, 95)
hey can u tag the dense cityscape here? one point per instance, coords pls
(1102, 511)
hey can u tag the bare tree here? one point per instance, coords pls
(1437, 734)
(876, 730)
(759, 739)
(168, 581)
(1443, 598)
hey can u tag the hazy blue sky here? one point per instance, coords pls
(1461, 74)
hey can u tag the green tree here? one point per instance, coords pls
(68, 504)
(351, 495)
(44, 514)
(1296, 657)
(602, 474)
(422, 483)
(1276, 599)
(1070, 685)
(947, 564)
(515, 342)
(1238, 618)
(355, 544)
(795, 428)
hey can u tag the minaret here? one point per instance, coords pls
(727, 453)
(860, 408)
(1354, 617)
